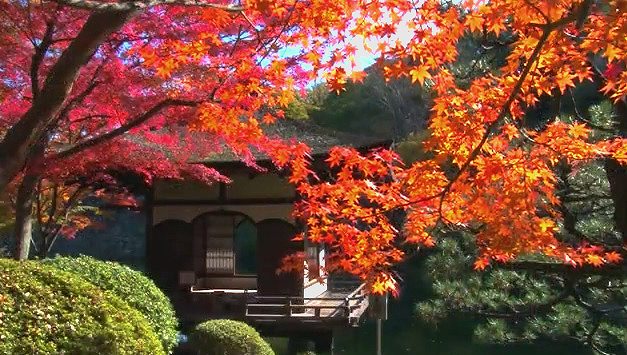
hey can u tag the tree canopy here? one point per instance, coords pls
(95, 86)
(492, 172)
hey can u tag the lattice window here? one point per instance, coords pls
(228, 243)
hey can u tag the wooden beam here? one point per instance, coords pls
(240, 201)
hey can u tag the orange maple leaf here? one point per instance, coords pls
(419, 74)
(358, 76)
(579, 130)
(613, 257)
(547, 224)
(594, 260)
(475, 23)
(612, 52)
(481, 264)
(564, 80)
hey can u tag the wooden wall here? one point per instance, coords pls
(266, 199)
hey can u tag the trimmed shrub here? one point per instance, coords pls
(228, 337)
(137, 290)
(47, 311)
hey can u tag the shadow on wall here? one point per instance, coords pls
(120, 236)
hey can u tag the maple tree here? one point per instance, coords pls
(94, 89)
(491, 173)
(62, 209)
(533, 298)
(530, 298)
(217, 66)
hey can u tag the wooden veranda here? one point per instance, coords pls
(334, 307)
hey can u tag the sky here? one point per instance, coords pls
(364, 56)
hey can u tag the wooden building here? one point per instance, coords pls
(216, 249)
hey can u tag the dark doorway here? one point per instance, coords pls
(274, 243)
(170, 251)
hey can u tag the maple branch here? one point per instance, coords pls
(535, 7)
(88, 117)
(136, 121)
(502, 115)
(38, 207)
(257, 32)
(140, 5)
(271, 42)
(32, 126)
(78, 99)
(54, 200)
(547, 29)
(38, 56)
(48, 240)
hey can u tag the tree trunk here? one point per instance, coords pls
(16, 145)
(24, 215)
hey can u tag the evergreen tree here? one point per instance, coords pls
(532, 298)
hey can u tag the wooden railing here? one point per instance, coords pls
(308, 308)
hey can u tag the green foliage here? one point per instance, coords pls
(44, 310)
(302, 106)
(531, 299)
(137, 290)
(411, 148)
(297, 109)
(375, 107)
(228, 337)
(522, 306)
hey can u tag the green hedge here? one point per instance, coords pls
(47, 311)
(228, 337)
(137, 290)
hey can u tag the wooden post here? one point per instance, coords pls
(378, 305)
(288, 307)
(379, 321)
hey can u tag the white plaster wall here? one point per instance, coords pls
(315, 289)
